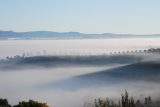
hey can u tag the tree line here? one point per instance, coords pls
(125, 101)
(30, 103)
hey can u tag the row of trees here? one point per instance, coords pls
(24, 55)
(125, 101)
(30, 103)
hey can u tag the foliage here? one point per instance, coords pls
(31, 103)
(4, 103)
(125, 101)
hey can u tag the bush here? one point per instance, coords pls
(4, 103)
(31, 103)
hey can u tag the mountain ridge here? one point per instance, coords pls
(68, 35)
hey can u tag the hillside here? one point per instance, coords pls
(133, 73)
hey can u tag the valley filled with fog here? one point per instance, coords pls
(69, 73)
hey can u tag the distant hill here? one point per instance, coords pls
(4, 35)
(149, 71)
(131, 57)
(55, 61)
(133, 73)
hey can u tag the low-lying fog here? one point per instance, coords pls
(24, 84)
(78, 47)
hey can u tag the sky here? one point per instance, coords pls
(86, 16)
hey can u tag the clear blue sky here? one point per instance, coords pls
(88, 16)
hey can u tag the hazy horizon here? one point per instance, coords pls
(80, 32)
(87, 16)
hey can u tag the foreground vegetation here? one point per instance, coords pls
(125, 101)
(30, 103)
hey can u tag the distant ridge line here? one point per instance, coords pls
(7, 35)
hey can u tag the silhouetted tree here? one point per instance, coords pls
(31, 103)
(4, 103)
(125, 101)
(139, 104)
(148, 101)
